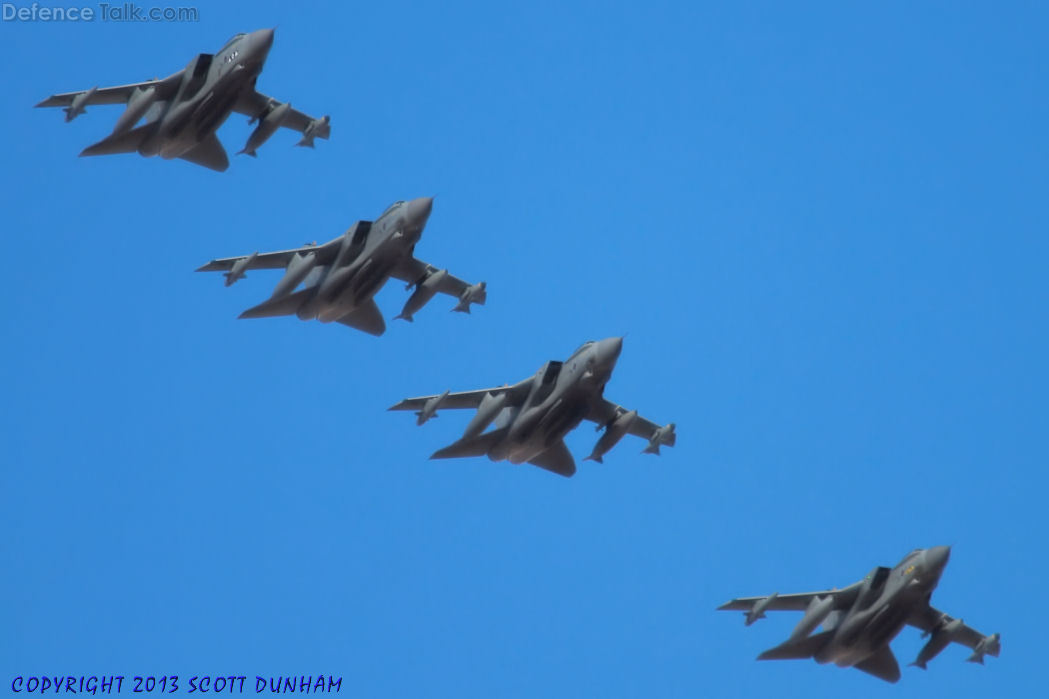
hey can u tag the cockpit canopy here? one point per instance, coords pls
(231, 40)
(582, 347)
(392, 207)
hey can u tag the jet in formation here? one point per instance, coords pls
(532, 417)
(183, 111)
(861, 620)
(341, 277)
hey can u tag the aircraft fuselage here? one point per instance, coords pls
(363, 265)
(210, 87)
(867, 628)
(560, 399)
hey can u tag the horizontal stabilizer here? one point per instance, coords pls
(471, 446)
(283, 306)
(127, 142)
(804, 647)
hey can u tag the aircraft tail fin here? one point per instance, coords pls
(281, 306)
(127, 142)
(471, 446)
(882, 665)
(557, 459)
(797, 649)
(367, 318)
(208, 153)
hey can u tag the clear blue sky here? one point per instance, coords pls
(824, 229)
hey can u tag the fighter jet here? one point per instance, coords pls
(183, 111)
(341, 276)
(533, 416)
(861, 620)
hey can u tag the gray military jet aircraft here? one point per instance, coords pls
(183, 111)
(532, 417)
(341, 277)
(861, 620)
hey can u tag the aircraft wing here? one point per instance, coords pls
(516, 395)
(274, 260)
(604, 412)
(797, 602)
(118, 94)
(929, 619)
(257, 105)
(414, 271)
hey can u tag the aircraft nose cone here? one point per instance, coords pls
(419, 210)
(938, 556)
(611, 348)
(263, 38)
